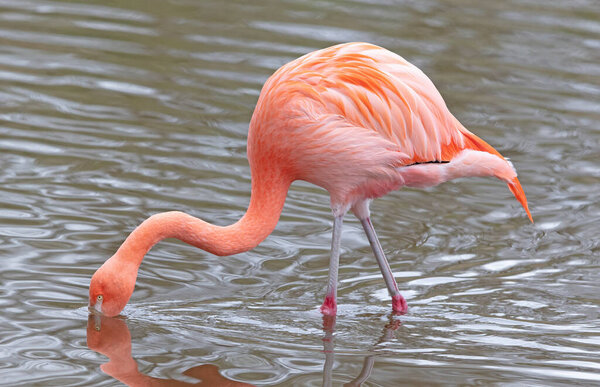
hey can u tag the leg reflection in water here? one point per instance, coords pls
(110, 337)
(328, 349)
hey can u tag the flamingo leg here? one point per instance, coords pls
(398, 302)
(329, 306)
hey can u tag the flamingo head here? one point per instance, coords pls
(112, 286)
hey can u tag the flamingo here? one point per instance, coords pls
(355, 119)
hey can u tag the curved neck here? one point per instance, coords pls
(269, 190)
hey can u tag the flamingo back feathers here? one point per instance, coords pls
(357, 111)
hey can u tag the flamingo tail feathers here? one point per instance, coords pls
(476, 143)
(515, 187)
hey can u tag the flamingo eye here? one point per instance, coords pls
(100, 297)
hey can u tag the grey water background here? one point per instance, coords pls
(112, 111)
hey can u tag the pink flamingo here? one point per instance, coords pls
(355, 119)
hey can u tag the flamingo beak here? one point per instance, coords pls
(96, 308)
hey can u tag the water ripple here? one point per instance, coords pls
(114, 112)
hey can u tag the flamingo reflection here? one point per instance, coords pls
(368, 363)
(110, 337)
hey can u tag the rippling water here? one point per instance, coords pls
(113, 111)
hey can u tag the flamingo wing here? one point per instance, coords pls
(378, 90)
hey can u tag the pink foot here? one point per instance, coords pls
(399, 304)
(329, 307)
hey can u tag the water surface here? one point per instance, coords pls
(113, 111)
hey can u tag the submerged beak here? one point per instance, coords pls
(96, 308)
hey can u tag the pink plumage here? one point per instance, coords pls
(355, 119)
(346, 117)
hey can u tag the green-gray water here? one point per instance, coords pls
(113, 111)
